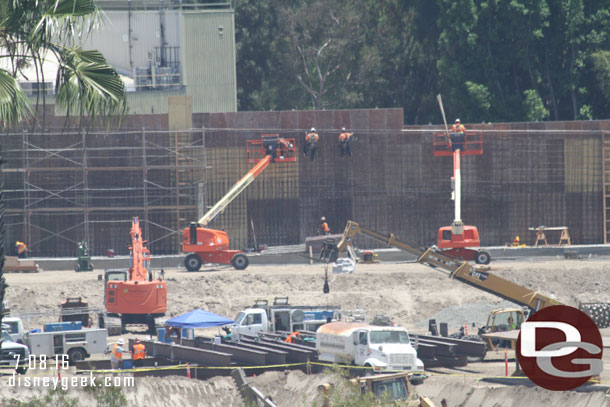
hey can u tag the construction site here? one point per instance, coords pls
(454, 236)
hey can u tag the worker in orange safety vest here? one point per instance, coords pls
(345, 139)
(311, 143)
(116, 357)
(294, 337)
(22, 249)
(457, 136)
(324, 229)
(138, 353)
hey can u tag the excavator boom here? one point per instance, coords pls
(140, 255)
(234, 192)
(454, 268)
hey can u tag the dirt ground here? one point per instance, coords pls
(411, 293)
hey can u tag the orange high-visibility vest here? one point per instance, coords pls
(325, 227)
(292, 336)
(344, 136)
(139, 351)
(458, 128)
(117, 352)
(21, 247)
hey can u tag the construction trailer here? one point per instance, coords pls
(206, 245)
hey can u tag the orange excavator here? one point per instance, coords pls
(458, 240)
(135, 298)
(204, 244)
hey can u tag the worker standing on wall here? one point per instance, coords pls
(324, 229)
(458, 135)
(311, 143)
(138, 353)
(345, 139)
(116, 357)
(22, 249)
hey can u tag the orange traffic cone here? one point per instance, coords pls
(188, 370)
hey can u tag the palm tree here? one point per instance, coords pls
(32, 31)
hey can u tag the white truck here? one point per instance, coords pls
(378, 348)
(281, 316)
(13, 354)
(77, 344)
(14, 328)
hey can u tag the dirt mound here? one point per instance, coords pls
(467, 395)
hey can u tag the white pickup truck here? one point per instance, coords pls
(13, 354)
(378, 348)
(281, 316)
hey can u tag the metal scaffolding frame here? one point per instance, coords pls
(63, 187)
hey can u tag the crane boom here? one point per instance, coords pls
(234, 192)
(460, 270)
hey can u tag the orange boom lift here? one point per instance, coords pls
(459, 240)
(213, 246)
(136, 299)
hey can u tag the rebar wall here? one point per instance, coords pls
(64, 187)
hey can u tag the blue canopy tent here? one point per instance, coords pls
(198, 319)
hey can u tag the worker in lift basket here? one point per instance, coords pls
(457, 136)
(324, 229)
(138, 353)
(116, 357)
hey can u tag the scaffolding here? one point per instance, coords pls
(63, 187)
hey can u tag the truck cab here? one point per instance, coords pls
(13, 354)
(14, 328)
(377, 348)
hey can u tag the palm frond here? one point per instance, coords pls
(87, 85)
(14, 105)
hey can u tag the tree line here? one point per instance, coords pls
(492, 60)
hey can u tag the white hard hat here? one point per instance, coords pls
(322, 218)
(313, 129)
(120, 341)
(457, 120)
(343, 128)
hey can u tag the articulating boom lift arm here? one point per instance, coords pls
(455, 269)
(234, 192)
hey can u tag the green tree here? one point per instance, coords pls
(31, 30)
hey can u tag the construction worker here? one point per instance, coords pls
(22, 249)
(516, 241)
(458, 127)
(294, 337)
(324, 229)
(345, 140)
(116, 357)
(311, 143)
(285, 148)
(138, 353)
(457, 135)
